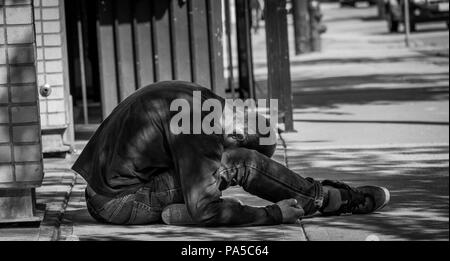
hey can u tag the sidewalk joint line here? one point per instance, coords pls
(57, 230)
(286, 162)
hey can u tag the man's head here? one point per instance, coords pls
(246, 128)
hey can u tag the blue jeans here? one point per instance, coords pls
(143, 207)
(256, 173)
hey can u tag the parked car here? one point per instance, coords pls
(421, 11)
(353, 2)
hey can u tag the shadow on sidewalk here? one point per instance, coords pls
(419, 30)
(87, 229)
(416, 177)
(329, 92)
(361, 90)
(347, 60)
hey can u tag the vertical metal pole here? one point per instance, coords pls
(82, 62)
(229, 48)
(407, 23)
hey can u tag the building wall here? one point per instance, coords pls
(20, 140)
(51, 69)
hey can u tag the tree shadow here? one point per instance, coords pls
(358, 16)
(420, 30)
(416, 177)
(371, 18)
(331, 91)
(347, 60)
(87, 229)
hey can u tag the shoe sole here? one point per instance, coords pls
(387, 200)
(387, 196)
(176, 215)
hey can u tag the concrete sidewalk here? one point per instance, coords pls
(417, 176)
(77, 224)
(66, 217)
(52, 198)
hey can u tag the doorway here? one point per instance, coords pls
(84, 77)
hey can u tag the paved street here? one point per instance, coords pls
(367, 111)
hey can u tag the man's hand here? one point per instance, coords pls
(290, 211)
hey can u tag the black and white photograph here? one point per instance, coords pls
(226, 121)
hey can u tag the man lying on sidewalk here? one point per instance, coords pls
(140, 172)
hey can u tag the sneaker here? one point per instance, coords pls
(177, 215)
(360, 200)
